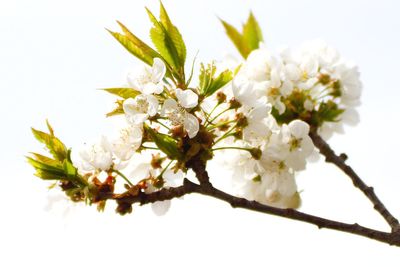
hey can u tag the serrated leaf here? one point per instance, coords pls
(163, 42)
(46, 175)
(137, 49)
(210, 84)
(53, 144)
(165, 143)
(174, 34)
(51, 131)
(169, 43)
(252, 34)
(69, 169)
(143, 49)
(115, 112)
(47, 160)
(217, 83)
(123, 92)
(247, 40)
(236, 38)
(43, 167)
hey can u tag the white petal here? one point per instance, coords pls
(187, 98)
(152, 88)
(287, 88)
(169, 106)
(160, 208)
(173, 178)
(153, 105)
(191, 125)
(158, 70)
(260, 112)
(137, 118)
(292, 72)
(307, 146)
(298, 128)
(129, 106)
(280, 106)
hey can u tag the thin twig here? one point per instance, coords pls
(206, 188)
(368, 191)
(188, 187)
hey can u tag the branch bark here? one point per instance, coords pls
(339, 161)
(188, 187)
(206, 188)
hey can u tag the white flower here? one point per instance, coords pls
(127, 143)
(299, 143)
(349, 80)
(278, 189)
(140, 108)
(187, 98)
(258, 125)
(179, 116)
(245, 92)
(148, 80)
(97, 156)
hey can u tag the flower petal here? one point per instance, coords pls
(298, 128)
(187, 98)
(169, 106)
(153, 105)
(158, 70)
(191, 125)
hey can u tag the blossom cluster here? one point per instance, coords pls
(281, 95)
(256, 114)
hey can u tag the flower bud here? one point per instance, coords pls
(255, 153)
(221, 97)
(234, 104)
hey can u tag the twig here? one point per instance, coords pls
(188, 187)
(368, 191)
(206, 188)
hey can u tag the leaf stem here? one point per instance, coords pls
(123, 177)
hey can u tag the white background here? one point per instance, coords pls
(54, 54)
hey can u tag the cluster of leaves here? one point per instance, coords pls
(168, 41)
(59, 166)
(209, 82)
(328, 111)
(247, 40)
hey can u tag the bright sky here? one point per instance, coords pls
(53, 56)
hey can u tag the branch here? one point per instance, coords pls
(188, 187)
(126, 200)
(368, 191)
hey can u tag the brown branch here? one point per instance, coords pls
(188, 187)
(125, 201)
(368, 191)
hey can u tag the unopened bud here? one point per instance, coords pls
(156, 161)
(234, 104)
(255, 153)
(241, 120)
(221, 97)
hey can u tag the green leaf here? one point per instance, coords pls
(69, 169)
(169, 43)
(46, 160)
(236, 38)
(53, 144)
(165, 143)
(135, 46)
(210, 84)
(252, 34)
(47, 175)
(247, 40)
(123, 92)
(117, 111)
(174, 33)
(46, 168)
